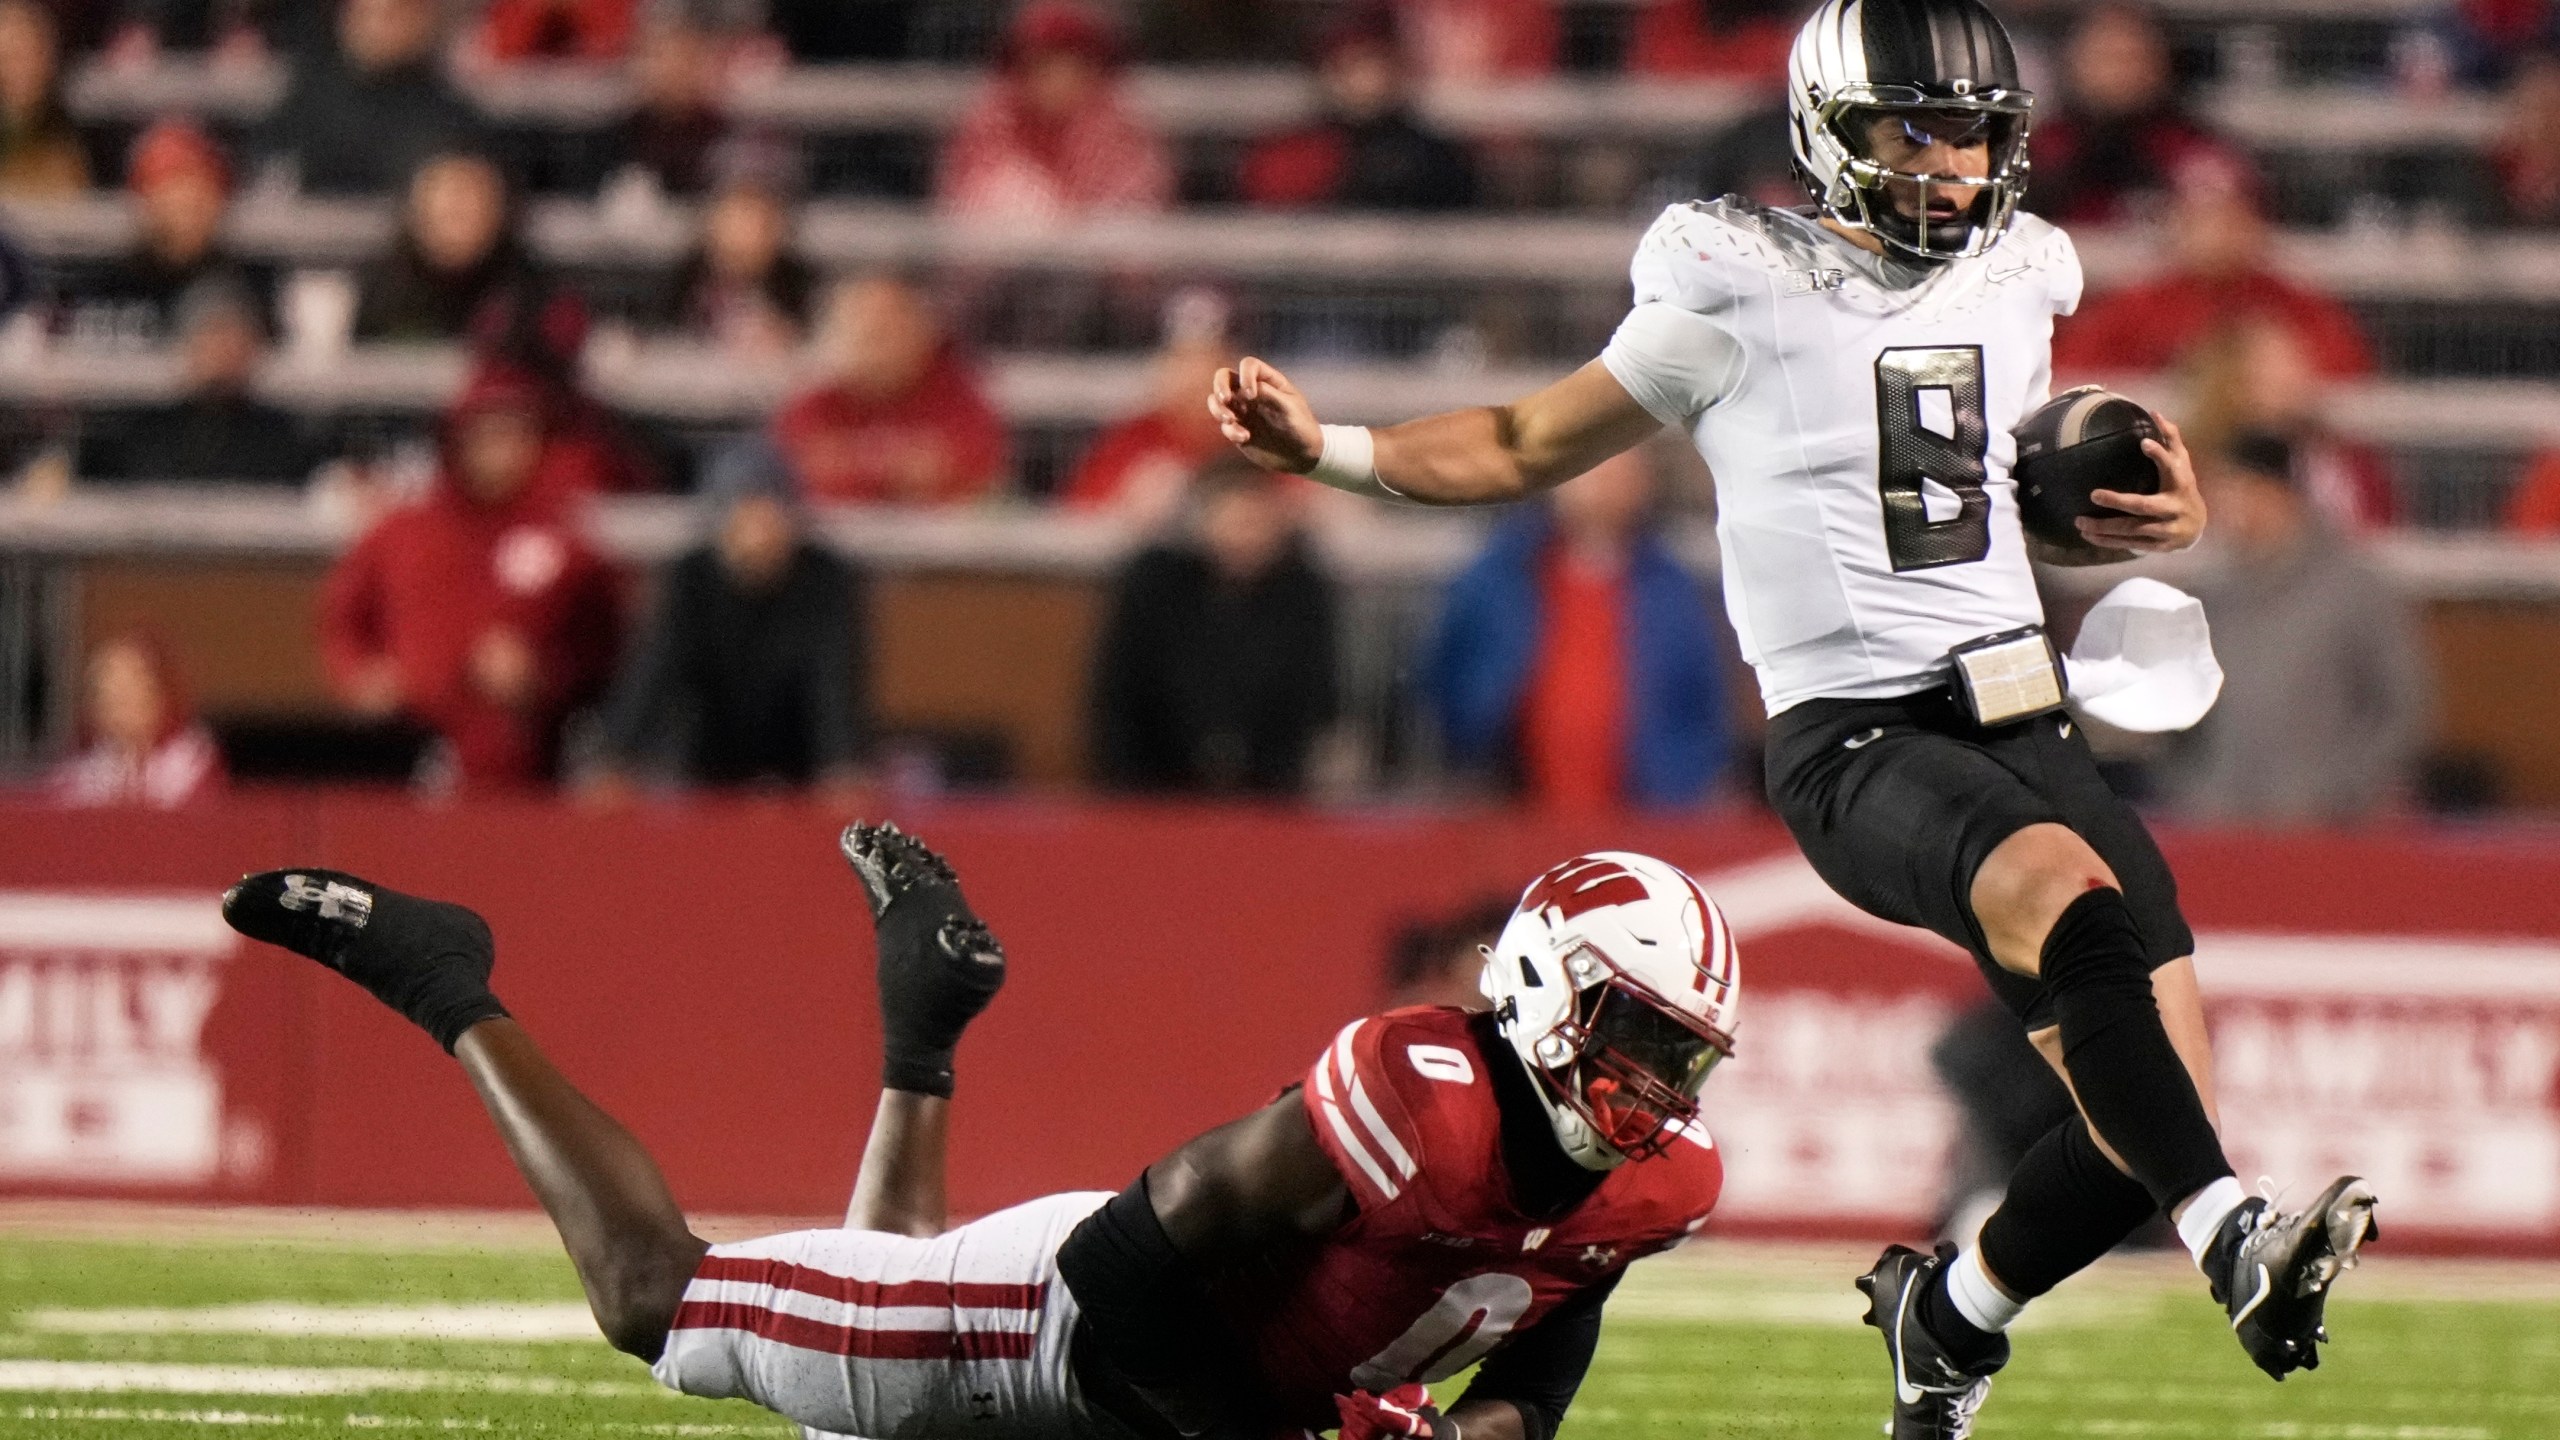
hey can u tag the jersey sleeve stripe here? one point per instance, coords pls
(1327, 1091)
(1379, 1130)
(1356, 1091)
(1360, 1156)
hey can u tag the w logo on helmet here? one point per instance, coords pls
(1578, 887)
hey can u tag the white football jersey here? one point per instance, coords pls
(1857, 412)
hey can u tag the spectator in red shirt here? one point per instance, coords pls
(2221, 272)
(1051, 141)
(2527, 158)
(1367, 151)
(140, 742)
(594, 31)
(1575, 657)
(536, 337)
(1714, 39)
(1464, 42)
(2122, 133)
(2534, 506)
(477, 611)
(901, 418)
(1140, 467)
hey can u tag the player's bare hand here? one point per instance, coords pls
(1263, 415)
(2157, 524)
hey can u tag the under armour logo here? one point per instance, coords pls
(1815, 282)
(333, 900)
(1600, 1257)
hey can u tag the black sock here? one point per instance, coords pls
(949, 973)
(424, 958)
(2131, 1083)
(2067, 1206)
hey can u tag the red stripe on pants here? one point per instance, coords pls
(801, 1333)
(845, 1289)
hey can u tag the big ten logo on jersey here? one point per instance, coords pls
(103, 1074)
(1814, 282)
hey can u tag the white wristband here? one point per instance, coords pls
(1350, 462)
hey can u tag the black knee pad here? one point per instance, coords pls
(2094, 956)
(2132, 1086)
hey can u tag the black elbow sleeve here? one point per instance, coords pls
(1143, 1308)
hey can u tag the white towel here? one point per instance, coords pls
(2144, 660)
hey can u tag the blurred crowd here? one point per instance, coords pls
(898, 406)
(473, 609)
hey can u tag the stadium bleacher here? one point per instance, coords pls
(2375, 172)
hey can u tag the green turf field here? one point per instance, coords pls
(171, 1333)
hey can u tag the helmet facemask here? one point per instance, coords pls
(1873, 135)
(1625, 1063)
(1615, 983)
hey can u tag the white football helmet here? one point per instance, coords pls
(1615, 980)
(1943, 69)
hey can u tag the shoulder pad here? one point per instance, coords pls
(1700, 254)
(2037, 246)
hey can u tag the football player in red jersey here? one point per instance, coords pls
(1445, 1189)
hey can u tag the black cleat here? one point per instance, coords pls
(426, 959)
(1934, 1398)
(2272, 1270)
(938, 963)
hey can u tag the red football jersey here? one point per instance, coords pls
(1438, 1268)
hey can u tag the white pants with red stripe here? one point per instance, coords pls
(856, 1333)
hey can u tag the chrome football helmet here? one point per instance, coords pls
(1872, 84)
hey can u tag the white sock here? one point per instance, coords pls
(1977, 1298)
(2205, 1213)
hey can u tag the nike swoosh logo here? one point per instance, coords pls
(2066, 729)
(2243, 1313)
(1903, 1390)
(1861, 742)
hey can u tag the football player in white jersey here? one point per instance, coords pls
(1851, 372)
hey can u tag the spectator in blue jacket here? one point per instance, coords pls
(1576, 660)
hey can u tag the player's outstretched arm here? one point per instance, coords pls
(1486, 456)
(1134, 1266)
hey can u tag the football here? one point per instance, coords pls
(2078, 442)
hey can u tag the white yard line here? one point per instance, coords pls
(499, 1322)
(106, 1377)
